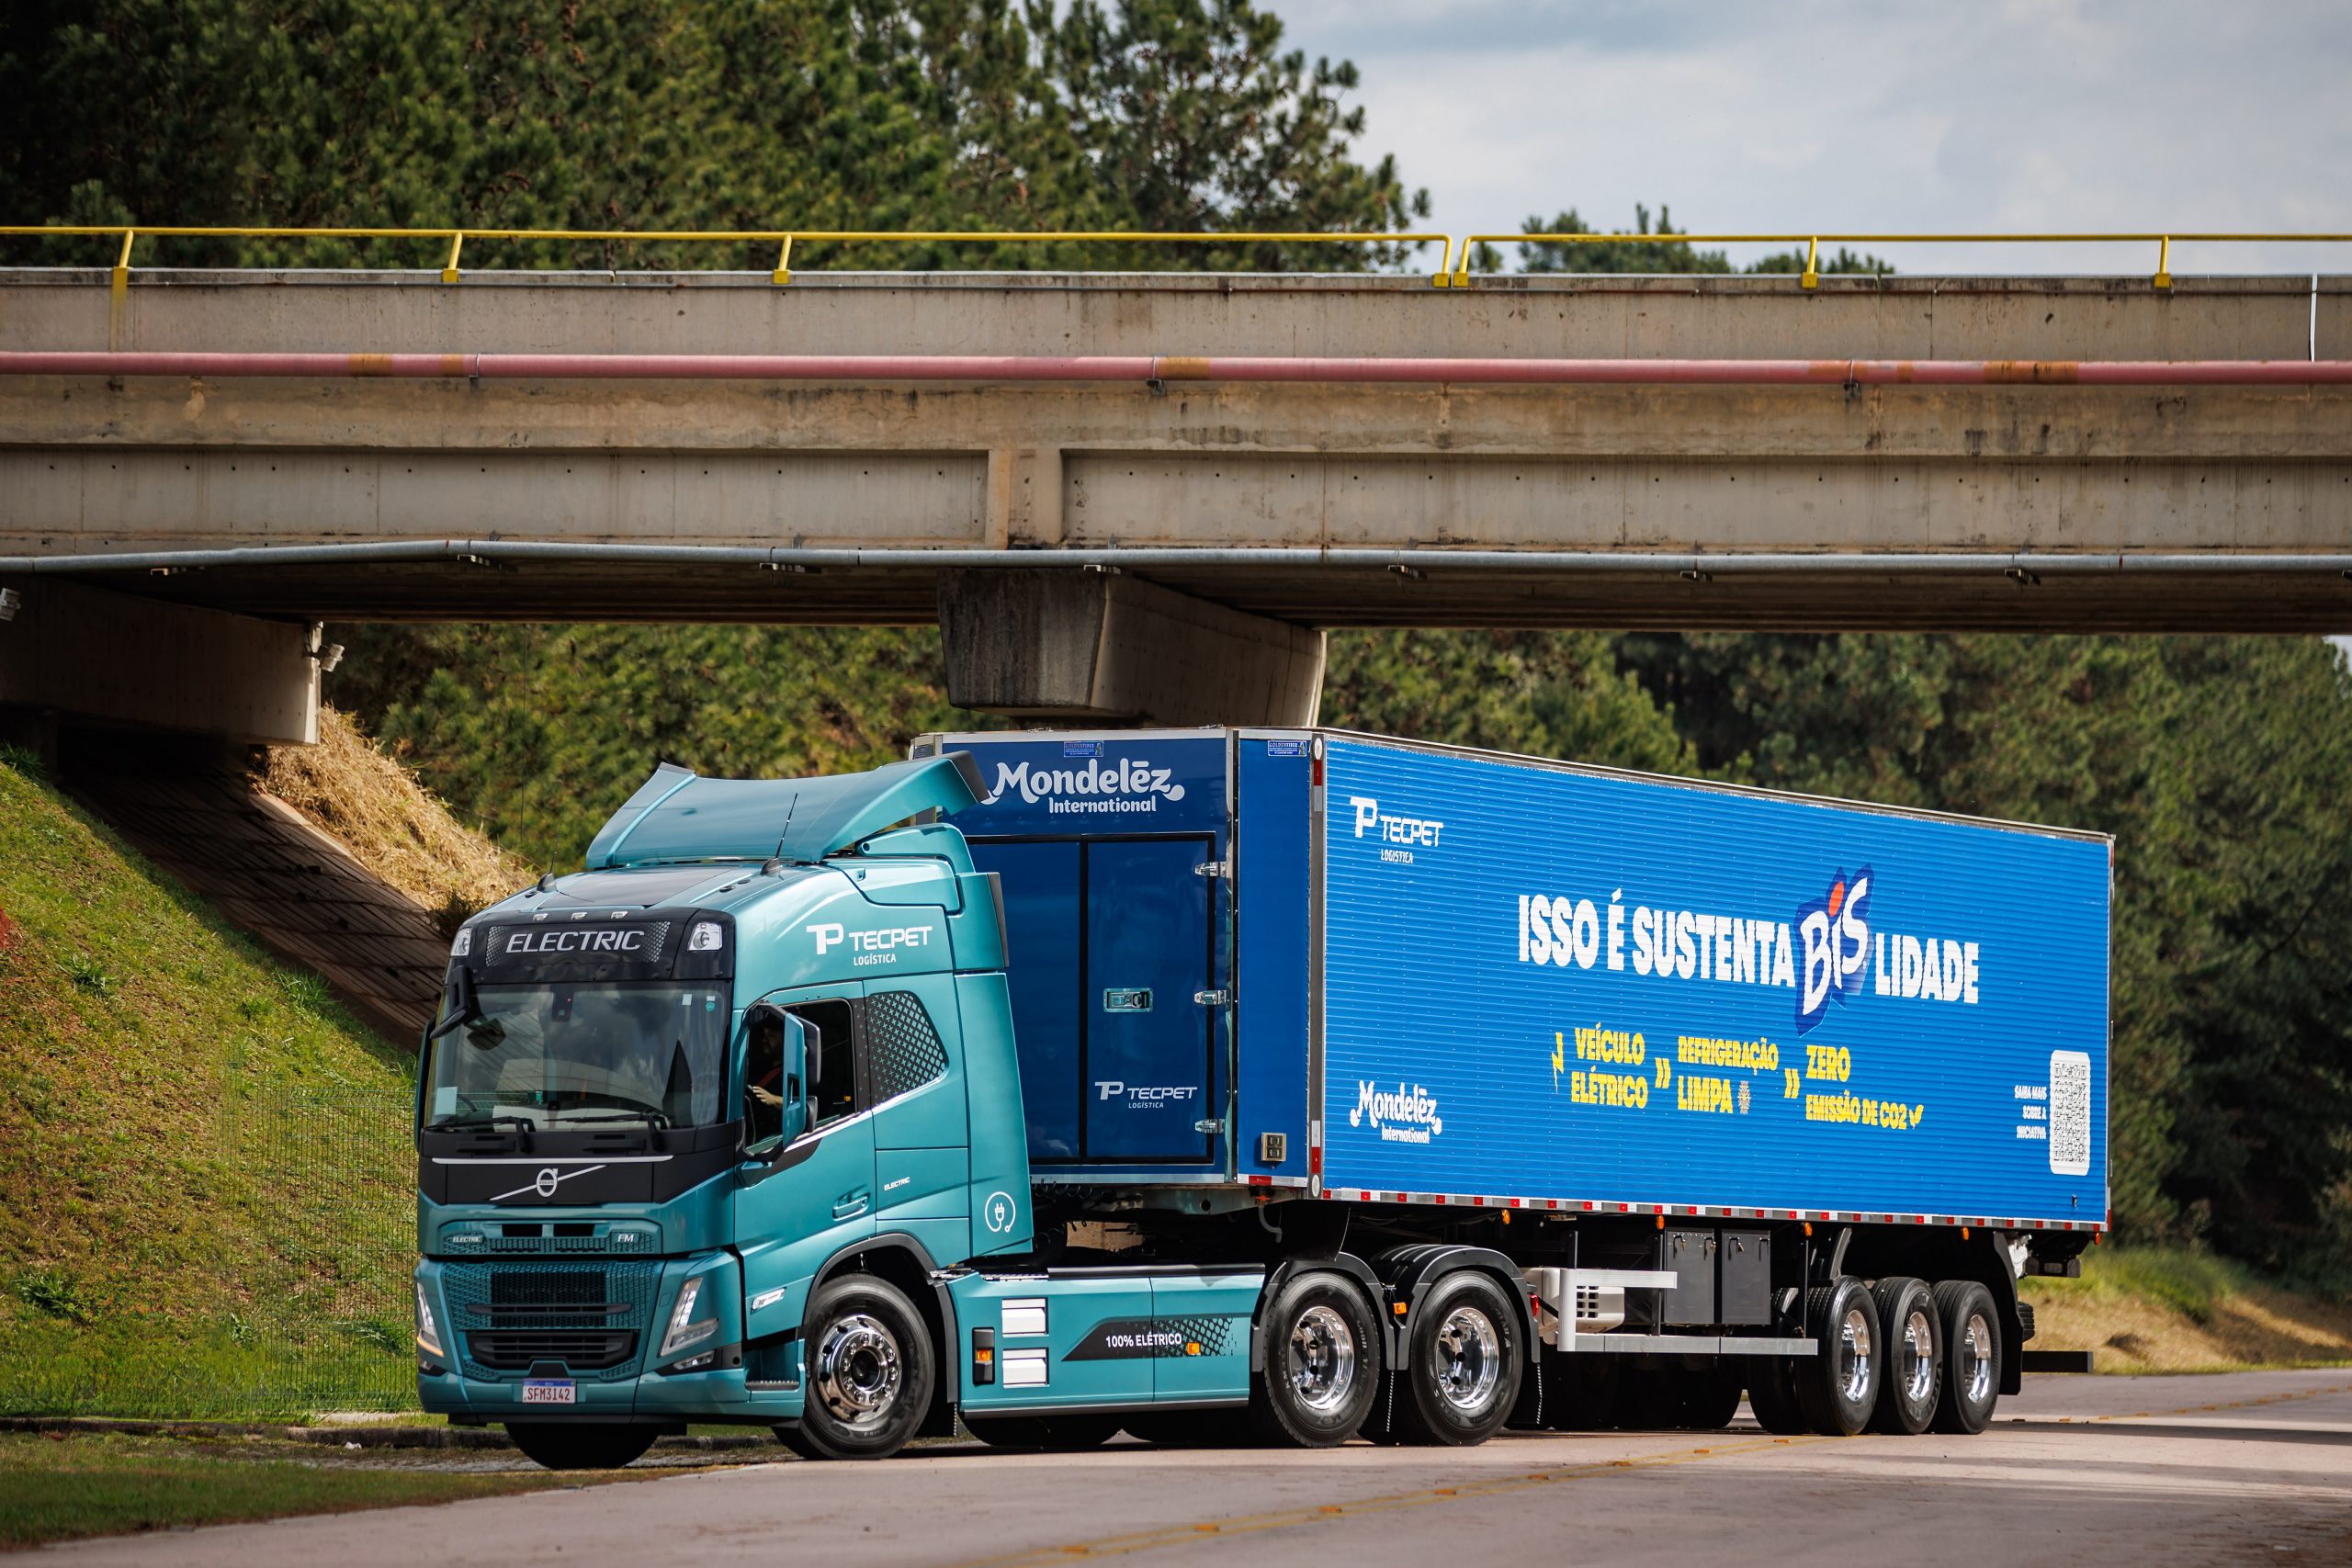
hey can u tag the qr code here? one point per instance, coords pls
(2070, 1113)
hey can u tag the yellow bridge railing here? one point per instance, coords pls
(1811, 277)
(1454, 257)
(783, 239)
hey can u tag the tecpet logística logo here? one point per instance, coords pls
(1121, 786)
(1401, 1115)
(1835, 932)
(1398, 835)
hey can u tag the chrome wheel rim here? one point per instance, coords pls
(1977, 1359)
(1918, 1357)
(1854, 1356)
(1322, 1359)
(1469, 1360)
(857, 1370)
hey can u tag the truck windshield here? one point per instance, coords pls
(559, 1055)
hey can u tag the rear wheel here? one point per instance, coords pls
(585, 1446)
(1915, 1344)
(1972, 1347)
(869, 1371)
(1322, 1363)
(1061, 1432)
(1772, 1395)
(1837, 1385)
(1462, 1378)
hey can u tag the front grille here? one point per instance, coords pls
(546, 1291)
(519, 1349)
(592, 1316)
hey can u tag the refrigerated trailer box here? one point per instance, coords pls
(1394, 973)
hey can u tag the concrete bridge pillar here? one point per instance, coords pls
(1101, 645)
(80, 655)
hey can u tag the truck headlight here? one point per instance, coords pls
(428, 1333)
(684, 1332)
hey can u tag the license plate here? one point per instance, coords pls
(551, 1391)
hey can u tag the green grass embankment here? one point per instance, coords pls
(208, 1194)
(56, 1487)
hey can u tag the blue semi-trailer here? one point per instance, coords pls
(1263, 1084)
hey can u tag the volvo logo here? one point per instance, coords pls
(547, 1181)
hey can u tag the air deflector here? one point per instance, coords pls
(678, 815)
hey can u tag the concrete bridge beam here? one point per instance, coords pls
(86, 655)
(1103, 646)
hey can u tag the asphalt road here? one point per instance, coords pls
(2236, 1468)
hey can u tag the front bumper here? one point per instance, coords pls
(476, 1314)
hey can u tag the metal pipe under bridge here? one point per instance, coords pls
(1143, 496)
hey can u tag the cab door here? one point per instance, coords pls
(817, 1196)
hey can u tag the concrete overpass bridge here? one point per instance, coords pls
(1141, 495)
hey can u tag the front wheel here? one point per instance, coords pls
(1837, 1385)
(1972, 1344)
(562, 1445)
(1322, 1363)
(1462, 1377)
(869, 1371)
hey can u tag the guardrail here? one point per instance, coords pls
(783, 239)
(1811, 277)
(1454, 256)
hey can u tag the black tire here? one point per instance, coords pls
(1582, 1394)
(1706, 1400)
(791, 1439)
(869, 1371)
(1772, 1395)
(564, 1445)
(1914, 1356)
(1193, 1428)
(1457, 1387)
(1322, 1363)
(1837, 1385)
(1971, 1347)
(1058, 1433)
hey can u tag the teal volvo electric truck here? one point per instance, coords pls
(1256, 1085)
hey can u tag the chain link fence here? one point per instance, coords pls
(316, 1198)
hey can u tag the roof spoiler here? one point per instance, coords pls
(679, 815)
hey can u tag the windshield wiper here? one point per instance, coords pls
(649, 1115)
(482, 1125)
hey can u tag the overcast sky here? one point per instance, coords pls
(1955, 115)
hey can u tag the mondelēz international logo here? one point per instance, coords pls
(1124, 785)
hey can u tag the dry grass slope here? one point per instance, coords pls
(2164, 1310)
(376, 809)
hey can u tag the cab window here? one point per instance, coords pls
(833, 1058)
